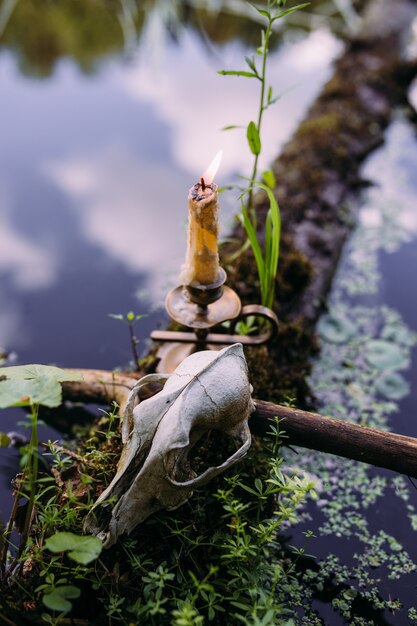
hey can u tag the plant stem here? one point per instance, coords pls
(133, 343)
(260, 113)
(7, 533)
(32, 474)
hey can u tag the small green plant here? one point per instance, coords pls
(82, 549)
(218, 555)
(30, 386)
(266, 261)
(130, 319)
(57, 594)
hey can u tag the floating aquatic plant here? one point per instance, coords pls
(392, 386)
(336, 328)
(384, 354)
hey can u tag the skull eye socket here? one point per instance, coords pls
(208, 449)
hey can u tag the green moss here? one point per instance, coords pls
(320, 124)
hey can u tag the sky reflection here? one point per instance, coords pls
(96, 171)
(196, 103)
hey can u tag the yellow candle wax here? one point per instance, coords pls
(202, 260)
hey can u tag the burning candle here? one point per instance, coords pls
(202, 259)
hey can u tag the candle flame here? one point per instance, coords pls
(211, 171)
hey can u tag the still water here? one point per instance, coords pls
(108, 115)
(365, 518)
(95, 169)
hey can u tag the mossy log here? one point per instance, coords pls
(318, 171)
(300, 428)
(318, 180)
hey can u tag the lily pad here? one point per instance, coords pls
(384, 355)
(336, 329)
(80, 548)
(37, 384)
(392, 386)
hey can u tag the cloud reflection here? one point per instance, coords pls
(11, 326)
(135, 211)
(196, 102)
(27, 263)
(393, 169)
(135, 208)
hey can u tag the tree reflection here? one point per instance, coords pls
(41, 32)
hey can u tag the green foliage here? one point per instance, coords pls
(130, 318)
(218, 555)
(238, 73)
(266, 261)
(253, 138)
(4, 440)
(81, 549)
(57, 594)
(23, 385)
(59, 599)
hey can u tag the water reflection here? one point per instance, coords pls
(96, 167)
(196, 102)
(28, 265)
(134, 214)
(42, 33)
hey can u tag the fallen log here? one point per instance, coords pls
(300, 428)
(318, 171)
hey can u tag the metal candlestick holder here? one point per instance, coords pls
(201, 308)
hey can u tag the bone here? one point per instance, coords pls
(208, 391)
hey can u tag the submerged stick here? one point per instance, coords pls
(302, 428)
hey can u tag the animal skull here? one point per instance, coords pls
(209, 390)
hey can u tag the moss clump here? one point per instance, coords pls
(324, 123)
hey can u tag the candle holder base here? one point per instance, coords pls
(201, 308)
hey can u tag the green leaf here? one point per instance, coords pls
(81, 548)
(37, 384)
(298, 7)
(262, 11)
(269, 178)
(274, 100)
(384, 355)
(258, 485)
(117, 316)
(58, 599)
(4, 440)
(231, 127)
(256, 248)
(251, 63)
(272, 243)
(254, 140)
(238, 73)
